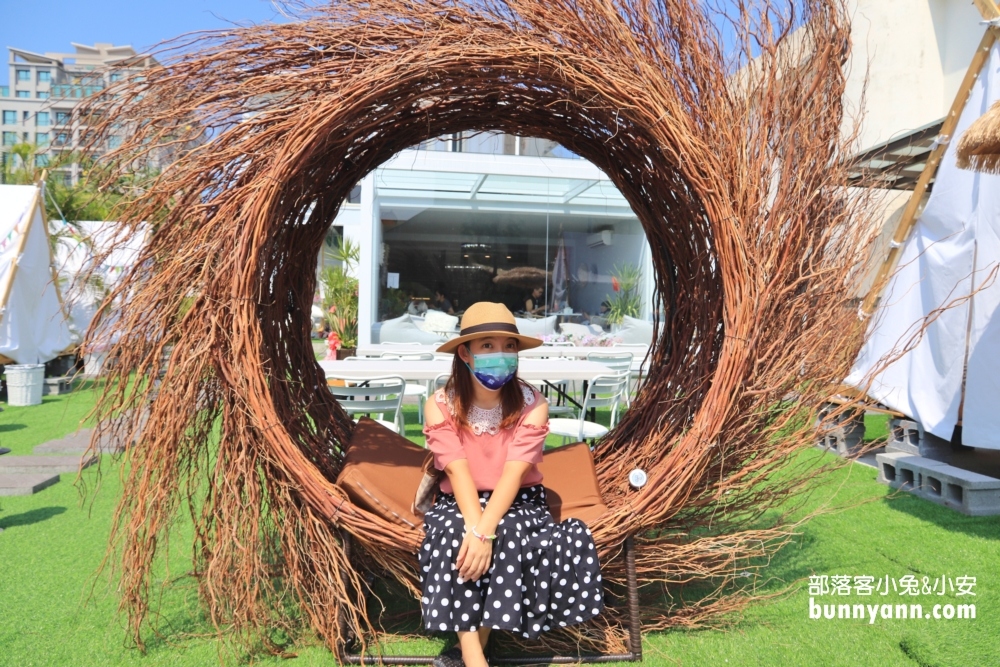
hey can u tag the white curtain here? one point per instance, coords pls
(951, 252)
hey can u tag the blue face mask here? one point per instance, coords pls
(494, 370)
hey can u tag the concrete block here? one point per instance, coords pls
(76, 443)
(56, 386)
(845, 435)
(906, 435)
(962, 490)
(25, 485)
(44, 464)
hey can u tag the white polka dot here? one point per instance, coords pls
(595, 611)
(562, 582)
(434, 613)
(510, 568)
(465, 617)
(496, 604)
(511, 544)
(475, 607)
(506, 618)
(590, 560)
(444, 626)
(536, 627)
(544, 584)
(486, 614)
(444, 602)
(425, 600)
(499, 579)
(507, 593)
(468, 594)
(447, 577)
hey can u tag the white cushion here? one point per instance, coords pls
(404, 330)
(633, 330)
(571, 428)
(545, 326)
(573, 329)
(436, 321)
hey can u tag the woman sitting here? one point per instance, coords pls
(492, 556)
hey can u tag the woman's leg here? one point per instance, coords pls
(484, 635)
(472, 648)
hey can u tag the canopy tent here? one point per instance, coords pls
(33, 323)
(950, 371)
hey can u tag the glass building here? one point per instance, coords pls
(492, 217)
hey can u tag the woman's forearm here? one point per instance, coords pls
(503, 496)
(466, 494)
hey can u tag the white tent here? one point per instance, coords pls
(33, 323)
(951, 253)
(86, 283)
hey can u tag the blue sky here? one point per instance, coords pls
(51, 25)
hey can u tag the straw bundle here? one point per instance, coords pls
(728, 150)
(979, 148)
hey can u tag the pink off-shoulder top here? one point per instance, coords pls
(485, 445)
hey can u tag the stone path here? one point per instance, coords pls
(25, 475)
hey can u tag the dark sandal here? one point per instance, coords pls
(450, 658)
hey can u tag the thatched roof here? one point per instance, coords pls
(979, 148)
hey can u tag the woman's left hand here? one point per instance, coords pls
(474, 557)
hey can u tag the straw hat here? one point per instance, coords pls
(488, 319)
(979, 148)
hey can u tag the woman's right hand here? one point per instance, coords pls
(474, 557)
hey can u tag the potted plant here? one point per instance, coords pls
(340, 301)
(625, 300)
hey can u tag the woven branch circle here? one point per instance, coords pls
(728, 151)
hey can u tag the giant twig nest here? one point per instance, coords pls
(722, 132)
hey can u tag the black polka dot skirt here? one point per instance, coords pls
(543, 575)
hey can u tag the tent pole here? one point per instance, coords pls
(909, 216)
(20, 250)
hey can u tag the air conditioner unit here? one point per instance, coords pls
(599, 239)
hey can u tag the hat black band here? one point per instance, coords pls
(490, 326)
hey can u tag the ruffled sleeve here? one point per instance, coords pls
(527, 443)
(444, 444)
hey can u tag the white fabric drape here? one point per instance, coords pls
(950, 253)
(33, 326)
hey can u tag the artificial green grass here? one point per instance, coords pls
(53, 611)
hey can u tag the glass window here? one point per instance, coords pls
(9, 138)
(44, 76)
(62, 138)
(42, 119)
(24, 94)
(41, 160)
(42, 138)
(24, 75)
(62, 117)
(116, 76)
(42, 95)
(4, 91)
(9, 117)
(114, 141)
(568, 249)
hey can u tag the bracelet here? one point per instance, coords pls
(482, 538)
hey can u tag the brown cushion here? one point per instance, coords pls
(383, 469)
(570, 481)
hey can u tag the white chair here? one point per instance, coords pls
(412, 388)
(620, 362)
(605, 391)
(371, 396)
(440, 381)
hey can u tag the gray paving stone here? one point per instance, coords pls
(25, 485)
(44, 464)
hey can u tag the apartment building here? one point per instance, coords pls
(37, 106)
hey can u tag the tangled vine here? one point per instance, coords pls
(721, 126)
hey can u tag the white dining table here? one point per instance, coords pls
(532, 370)
(543, 351)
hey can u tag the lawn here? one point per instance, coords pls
(55, 611)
